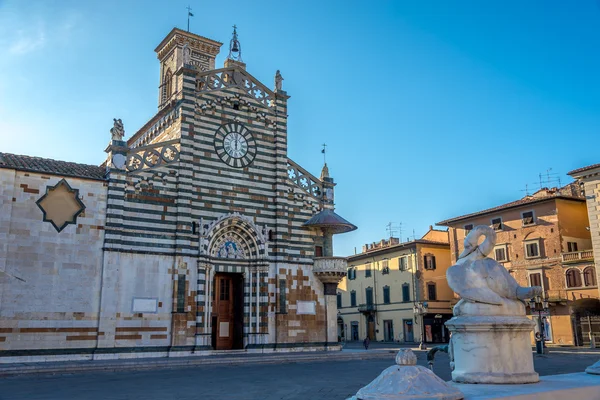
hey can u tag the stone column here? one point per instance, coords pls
(330, 270)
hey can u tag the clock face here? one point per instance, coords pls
(235, 145)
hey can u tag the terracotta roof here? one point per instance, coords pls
(578, 170)
(52, 167)
(393, 247)
(512, 204)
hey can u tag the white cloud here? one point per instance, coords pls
(27, 42)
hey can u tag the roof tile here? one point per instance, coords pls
(49, 166)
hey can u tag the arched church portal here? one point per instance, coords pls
(235, 268)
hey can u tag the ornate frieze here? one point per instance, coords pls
(223, 78)
(304, 180)
(152, 156)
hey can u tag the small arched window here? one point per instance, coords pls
(168, 83)
(573, 278)
(589, 276)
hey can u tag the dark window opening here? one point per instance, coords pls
(431, 292)
(405, 293)
(318, 251)
(589, 276)
(535, 279)
(339, 300)
(497, 224)
(282, 299)
(573, 278)
(369, 295)
(353, 299)
(181, 293)
(386, 294)
(571, 246)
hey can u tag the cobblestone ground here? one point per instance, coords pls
(298, 381)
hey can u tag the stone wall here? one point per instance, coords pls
(49, 280)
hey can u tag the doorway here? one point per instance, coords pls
(227, 312)
(371, 327)
(388, 330)
(409, 335)
(354, 330)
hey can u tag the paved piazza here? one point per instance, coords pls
(306, 381)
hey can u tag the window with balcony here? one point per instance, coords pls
(500, 253)
(528, 218)
(571, 246)
(385, 269)
(367, 270)
(431, 291)
(429, 260)
(353, 298)
(535, 279)
(369, 295)
(497, 224)
(406, 292)
(339, 300)
(589, 276)
(573, 278)
(532, 249)
(468, 228)
(386, 295)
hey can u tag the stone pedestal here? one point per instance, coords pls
(593, 369)
(492, 349)
(407, 381)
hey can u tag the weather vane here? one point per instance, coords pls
(324, 151)
(189, 15)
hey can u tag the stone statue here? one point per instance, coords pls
(187, 53)
(479, 279)
(490, 332)
(278, 80)
(117, 131)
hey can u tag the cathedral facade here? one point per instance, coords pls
(198, 234)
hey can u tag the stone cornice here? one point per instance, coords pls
(196, 42)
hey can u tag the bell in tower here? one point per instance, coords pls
(235, 49)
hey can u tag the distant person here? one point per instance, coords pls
(366, 343)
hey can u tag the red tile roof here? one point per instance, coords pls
(52, 167)
(562, 193)
(578, 170)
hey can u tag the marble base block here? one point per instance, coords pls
(492, 349)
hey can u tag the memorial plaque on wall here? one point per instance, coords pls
(306, 307)
(141, 305)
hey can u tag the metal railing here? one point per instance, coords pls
(367, 308)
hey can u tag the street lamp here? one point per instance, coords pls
(539, 304)
(419, 309)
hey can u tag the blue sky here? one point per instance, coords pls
(430, 109)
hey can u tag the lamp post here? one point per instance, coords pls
(419, 309)
(539, 304)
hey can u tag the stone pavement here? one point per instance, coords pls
(325, 380)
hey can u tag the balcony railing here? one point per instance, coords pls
(367, 308)
(576, 256)
(557, 296)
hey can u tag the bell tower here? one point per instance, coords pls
(182, 49)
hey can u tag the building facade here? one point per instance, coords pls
(397, 291)
(588, 179)
(543, 240)
(197, 234)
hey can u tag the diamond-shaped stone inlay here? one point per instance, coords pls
(61, 205)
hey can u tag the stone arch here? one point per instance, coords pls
(235, 236)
